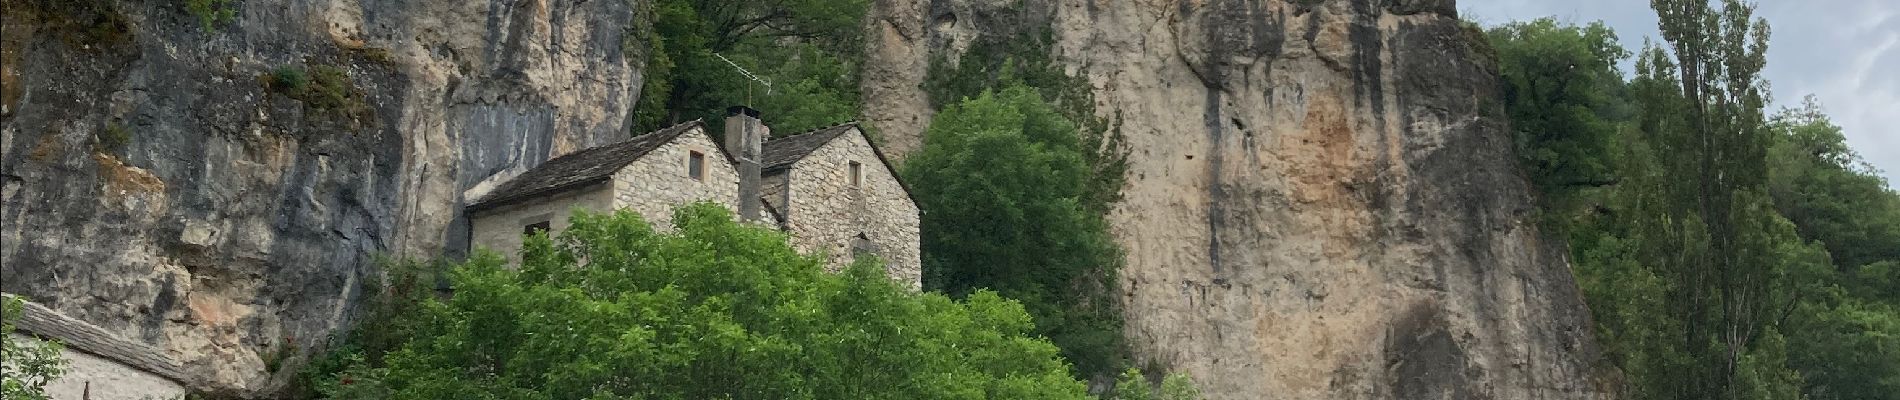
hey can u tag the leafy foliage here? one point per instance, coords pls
(808, 49)
(613, 309)
(1133, 386)
(325, 88)
(82, 24)
(1006, 188)
(1725, 254)
(25, 368)
(211, 13)
(113, 138)
(1019, 57)
(1561, 89)
(290, 79)
(1019, 135)
(1829, 192)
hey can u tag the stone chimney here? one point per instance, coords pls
(745, 139)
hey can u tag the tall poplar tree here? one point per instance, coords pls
(1721, 294)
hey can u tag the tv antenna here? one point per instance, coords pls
(748, 75)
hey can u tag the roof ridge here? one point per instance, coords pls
(581, 167)
(683, 126)
(817, 130)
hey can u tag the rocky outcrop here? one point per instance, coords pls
(220, 193)
(1322, 198)
(896, 58)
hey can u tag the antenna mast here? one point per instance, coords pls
(748, 75)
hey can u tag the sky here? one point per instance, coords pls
(1844, 52)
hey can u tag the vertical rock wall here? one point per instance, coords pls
(156, 185)
(1322, 199)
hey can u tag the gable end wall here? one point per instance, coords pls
(826, 213)
(657, 183)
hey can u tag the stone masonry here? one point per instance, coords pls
(657, 182)
(500, 229)
(808, 190)
(826, 213)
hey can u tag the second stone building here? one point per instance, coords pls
(830, 188)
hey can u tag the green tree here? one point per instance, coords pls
(1723, 294)
(1562, 91)
(25, 368)
(1725, 255)
(1844, 333)
(613, 309)
(1830, 193)
(808, 49)
(1004, 183)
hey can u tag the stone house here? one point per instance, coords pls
(830, 189)
(100, 364)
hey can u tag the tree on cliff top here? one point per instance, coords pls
(613, 309)
(1561, 88)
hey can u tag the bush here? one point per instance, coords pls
(288, 78)
(210, 13)
(114, 138)
(320, 87)
(25, 369)
(1133, 386)
(613, 309)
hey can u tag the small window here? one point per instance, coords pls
(857, 173)
(534, 228)
(696, 165)
(863, 246)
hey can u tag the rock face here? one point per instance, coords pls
(219, 193)
(1322, 199)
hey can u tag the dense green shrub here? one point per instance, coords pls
(326, 88)
(1004, 183)
(211, 13)
(290, 79)
(613, 309)
(113, 138)
(1134, 386)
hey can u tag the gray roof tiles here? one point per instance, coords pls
(595, 165)
(580, 168)
(783, 152)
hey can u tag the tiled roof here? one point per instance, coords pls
(580, 168)
(782, 152)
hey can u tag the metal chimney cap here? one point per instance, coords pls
(736, 110)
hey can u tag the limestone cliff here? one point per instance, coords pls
(220, 193)
(1322, 199)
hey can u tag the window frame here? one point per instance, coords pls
(532, 228)
(696, 165)
(856, 171)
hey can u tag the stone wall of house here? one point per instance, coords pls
(773, 187)
(657, 183)
(100, 378)
(500, 229)
(826, 213)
